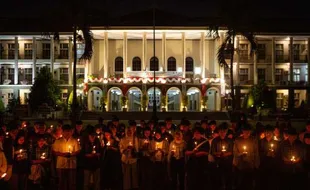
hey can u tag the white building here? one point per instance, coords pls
(185, 63)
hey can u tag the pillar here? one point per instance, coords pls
(291, 60)
(16, 61)
(237, 55)
(52, 56)
(308, 68)
(203, 55)
(70, 53)
(183, 54)
(124, 54)
(273, 58)
(34, 59)
(163, 49)
(255, 67)
(144, 52)
(106, 55)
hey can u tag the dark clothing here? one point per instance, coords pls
(111, 167)
(177, 173)
(67, 179)
(21, 164)
(196, 166)
(167, 136)
(90, 163)
(8, 150)
(187, 136)
(223, 170)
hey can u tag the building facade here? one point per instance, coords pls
(187, 73)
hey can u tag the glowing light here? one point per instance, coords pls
(197, 70)
(180, 69)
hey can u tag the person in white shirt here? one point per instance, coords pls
(66, 149)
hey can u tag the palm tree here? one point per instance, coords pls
(227, 48)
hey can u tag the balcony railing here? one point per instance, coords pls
(43, 56)
(61, 56)
(300, 58)
(282, 59)
(264, 59)
(246, 58)
(7, 56)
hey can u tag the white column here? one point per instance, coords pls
(144, 51)
(106, 55)
(308, 57)
(273, 66)
(86, 69)
(124, 55)
(291, 59)
(70, 61)
(52, 56)
(203, 55)
(163, 52)
(237, 55)
(183, 54)
(16, 61)
(34, 59)
(255, 67)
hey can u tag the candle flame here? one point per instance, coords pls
(271, 145)
(244, 147)
(108, 143)
(3, 175)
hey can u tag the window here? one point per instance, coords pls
(296, 51)
(28, 50)
(296, 75)
(119, 64)
(28, 75)
(154, 65)
(80, 73)
(279, 75)
(261, 49)
(296, 99)
(280, 100)
(189, 64)
(261, 74)
(306, 74)
(64, 75)
(46, 51)
(244, 74)
(11, 75)
(172, 64)
(279, 53)
(136, 64)
(64, 51)
(11, 51)
(243, 49)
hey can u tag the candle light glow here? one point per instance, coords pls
(293, 159)
(69, 149)
(94, 150)
(3, 175)
(108, 143)
(43, 156)
(223, 149)
(245, 150)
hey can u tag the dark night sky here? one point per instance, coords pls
(23, 10)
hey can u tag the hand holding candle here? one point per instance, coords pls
(224, 148)
(43, 156)
(293, 159)
(94, 150)
(245, 150)
(69, 149)
(271, 147)
(3, 175)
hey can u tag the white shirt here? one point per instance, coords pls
(65, 146)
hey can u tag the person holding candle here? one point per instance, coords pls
(222, 149)
(186, 132)
(20, 163)
(170, 127)
(159, 151)
(145, 160)
(78, 134)
(165, 134)
(307, 160)
(3, 166)
(197, 151)
(66, 149)
(306, 131)
(40, 164)
(90, 156)
(246, 158)
(129, 148)
(111, 165)
(291, 153)
(176, 161)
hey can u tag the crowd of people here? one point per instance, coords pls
(154, 156)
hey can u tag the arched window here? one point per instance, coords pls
(136, 64)
(119, 64)
(172, 64)
(154, 65)
(189, 64)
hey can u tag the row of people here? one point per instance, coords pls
(110, 157)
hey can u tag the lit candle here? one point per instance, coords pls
(7, 134)
(3, 175)
(69, 149)
(60, 136)
(271, 147)
(78, 140)
(20, 155)
(195, 143)
(43, 156)
(173, 148)
(108, 143)
(130, 143)
(169, 132)
(244, 150)
(51, 126)
(146, 141)
(223, 149)
(94, 150)
(156, 147)
(166, 139)
(293, 159)
(98, 136)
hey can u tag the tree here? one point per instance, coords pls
(44, 90)
(238, 22)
